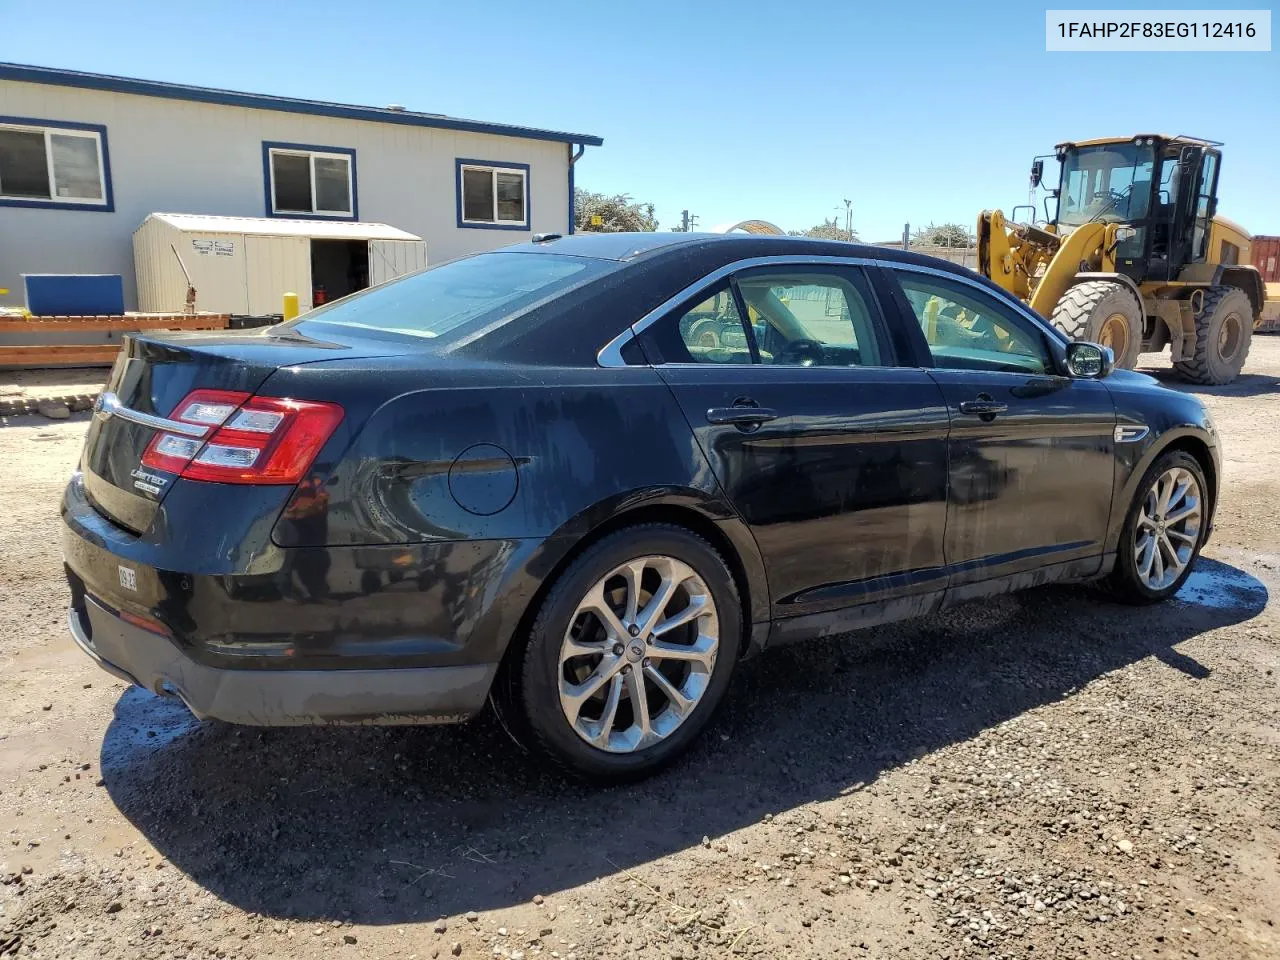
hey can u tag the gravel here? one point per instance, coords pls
(1039, 775)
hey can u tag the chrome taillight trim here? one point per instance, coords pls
(109, 405)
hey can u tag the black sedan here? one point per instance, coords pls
(582, 477)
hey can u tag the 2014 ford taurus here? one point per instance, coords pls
(583, 477)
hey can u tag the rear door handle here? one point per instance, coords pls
(741, 416)
(983, 408)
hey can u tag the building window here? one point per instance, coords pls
(493, 195)
(48, 163)
(305, 181)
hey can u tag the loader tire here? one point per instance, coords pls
(1224, 331)
(1104, 312)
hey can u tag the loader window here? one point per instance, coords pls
(966, 330)
(1109, 183)
(1204, 206)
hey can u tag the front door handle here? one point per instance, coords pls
(741, 416)
(983, 407)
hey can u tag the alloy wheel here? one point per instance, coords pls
(1168, 528)
(638, 654)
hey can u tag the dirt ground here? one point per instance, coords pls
(1040, 775)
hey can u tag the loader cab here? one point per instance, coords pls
(1164, 189)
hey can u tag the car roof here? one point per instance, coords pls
(627, 247)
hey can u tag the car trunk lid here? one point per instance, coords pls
(152, 375)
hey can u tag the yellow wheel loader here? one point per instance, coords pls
(1135, 256)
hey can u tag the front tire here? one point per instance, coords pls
(630, 654)
(1105, 312)
(1224, 333)
(1163, 531)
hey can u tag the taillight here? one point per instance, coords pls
(263, 440)
(200, 408)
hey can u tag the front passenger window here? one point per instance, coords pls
(969, 331)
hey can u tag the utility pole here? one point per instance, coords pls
(906, 236)
(848, 219)
(687, 222)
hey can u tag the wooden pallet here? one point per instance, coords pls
(98, 354)
(59, 355)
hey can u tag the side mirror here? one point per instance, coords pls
(1089, 361)
(1037, 172)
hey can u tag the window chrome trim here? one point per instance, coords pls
(610, 354)
(109, 405)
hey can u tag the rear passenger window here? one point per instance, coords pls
(805, 316)
(967, 330)
(809, 319)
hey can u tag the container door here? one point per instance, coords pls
(389, 259)
(1266, 257)
(275, 266)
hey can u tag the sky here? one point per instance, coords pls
(917, 112)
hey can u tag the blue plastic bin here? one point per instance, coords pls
(74, 294)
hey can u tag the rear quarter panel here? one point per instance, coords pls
(490, 452)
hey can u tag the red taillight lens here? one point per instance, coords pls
(264, 440)
(200, 408)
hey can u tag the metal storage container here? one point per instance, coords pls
(245, 265)
(1266, 257)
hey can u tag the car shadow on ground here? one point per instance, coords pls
(1245, 385)
(389, 825)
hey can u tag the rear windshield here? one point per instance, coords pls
(483, 289)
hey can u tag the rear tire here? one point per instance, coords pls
(652, 693)
(1151, 543)
(1224, 333)
(1104, 312)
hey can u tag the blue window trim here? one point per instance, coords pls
(525, 227)
(259, 101)
(269, 145)
(109, 195)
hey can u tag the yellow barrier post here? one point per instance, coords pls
(290, 306)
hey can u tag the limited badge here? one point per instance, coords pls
(128, 578)
(148, 482)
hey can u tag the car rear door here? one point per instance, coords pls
(833, 455)
(1031, 450)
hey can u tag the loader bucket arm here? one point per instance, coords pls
(1080, 251)
(997, 259)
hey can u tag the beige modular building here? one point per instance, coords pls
(86, 159)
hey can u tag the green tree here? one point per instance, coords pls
(828, 229)
(617, 213)
(942, 235)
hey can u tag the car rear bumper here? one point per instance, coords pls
(227, 597)
(278, 697)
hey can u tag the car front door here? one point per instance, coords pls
(834, 456)
(1031, 450)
